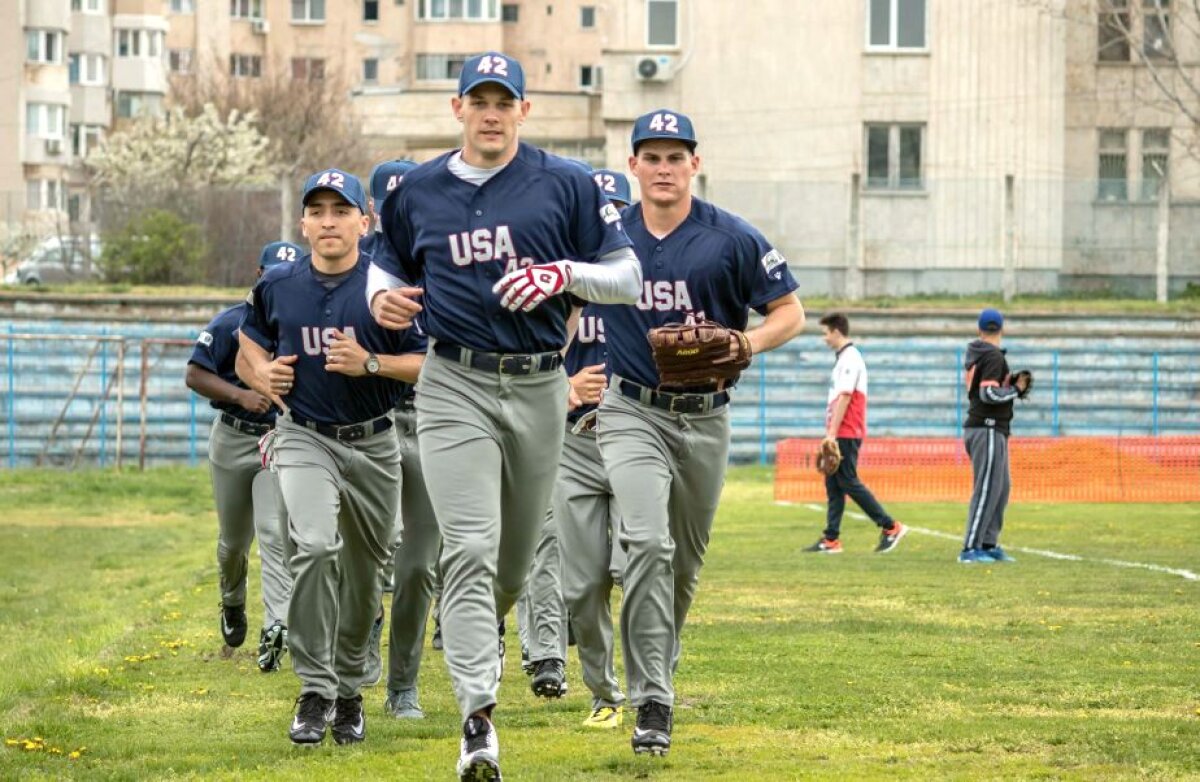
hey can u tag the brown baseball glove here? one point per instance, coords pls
(698, 354)
(829, 456)
(1023, 381)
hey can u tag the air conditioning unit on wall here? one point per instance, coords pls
(260, 26)
(656, 67)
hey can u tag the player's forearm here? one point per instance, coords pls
(251, 360)
(404, 367)
(784, 320)
(211, 386)
(380, 280)
(616, 278)
(837, 415)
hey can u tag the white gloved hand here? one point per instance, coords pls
(526, 288)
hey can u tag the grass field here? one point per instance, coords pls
(905, 666)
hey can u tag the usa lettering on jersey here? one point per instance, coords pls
(591, 329)
(317, 340)
(483, 245)
(665, 295)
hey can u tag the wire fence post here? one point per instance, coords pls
(1054, 421)
(762, 411)
(1154, 394)
(12, 400)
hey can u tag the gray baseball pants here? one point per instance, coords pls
(248, 505)
(540, 609)
(988, 450)
(415, 562)
(587, 528)
(489, 465)
(666, 471)
(341, 500)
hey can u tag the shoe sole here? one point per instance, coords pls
(658, 752)
(549, 689)
(344, 740)
(606, 725)
(481, 771)
(307, 744)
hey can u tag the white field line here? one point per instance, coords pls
(1185, 574)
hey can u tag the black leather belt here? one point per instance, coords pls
(346, 433)
(672, 402)
(406, 405)
(501, 363)
(245, 427)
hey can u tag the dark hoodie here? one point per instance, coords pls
(989, 387)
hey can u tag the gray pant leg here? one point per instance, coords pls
(270, 525)
(341, 502)
(547, 614)
(585, 514)
(490, 468)
(524, 612)
(988, 450)
(233, 473)
(415, 563)
(666, 473)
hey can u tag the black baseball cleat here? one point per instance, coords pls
(272, 646)
(233, 625)
(653, 732)
(313, 715)
(890, 537)
(349, 727)
(479, 753)
(549, 679)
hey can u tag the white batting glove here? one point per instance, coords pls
(526, 288)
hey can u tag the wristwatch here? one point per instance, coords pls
(371, 364)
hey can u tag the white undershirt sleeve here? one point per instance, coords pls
(615, 278)
(379, 280)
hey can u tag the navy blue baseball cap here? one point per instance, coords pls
(386, 176)
(663, 123)
(494, 68)
(335, 180)
(613, 184)
(991, 320)
(278, 252)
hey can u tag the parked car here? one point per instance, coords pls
(59, 260)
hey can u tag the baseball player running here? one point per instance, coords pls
(665, 450)
(497, 230)
(846, 423)
(246, 494)
(335, 372)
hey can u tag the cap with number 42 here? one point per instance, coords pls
(493, 68)
(386, 176)
(278, 252)
(614, 185)
(663, 123)
(337, 181)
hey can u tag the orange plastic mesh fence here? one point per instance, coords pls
(1044, 469)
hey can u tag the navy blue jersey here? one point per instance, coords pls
(713, 266)
(460, 239)
(216, 350)
(587, 350)
(292, 313)
(367, 244)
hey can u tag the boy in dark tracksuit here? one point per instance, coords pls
(991, 392)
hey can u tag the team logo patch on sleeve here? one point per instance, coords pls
(609, 214)
(205, 338)
(772, 261)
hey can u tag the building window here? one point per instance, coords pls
(591, 77)
(510, 12)
(587, 16)
(179, 61)
(86, 69)
(245, 65)
(370, 10)
(44, 194)
(85, 139)
(308, 68)
(1156, 30)
(1113, 173)
(139, 43)
(896, 24)
(439, 67)
(246, 9)
(183, 6)
(45, 46)
(662, 22)
(466, 10)
(308, 11)
(138, 104)
(45, 120)
(88, 6)
(1113, 30)
(1156, 147)
(370, 72)
(894, 157)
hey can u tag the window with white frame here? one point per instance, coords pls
(183, 6)
(138, 43)
(1156, 152)
(245, 65)
(308, 11)
(138, 104)
(1113, 28)
(662, 23)
(45, 120)
(308, 68)
(1113, 173)
(246, 9)
(1156, 30)
(88, 6)
(86, 139)
(87, 69)
(370, 71)
(180, 61)
(458, 10)
(439, 67)
(895, 153)
(587, 16)
(44, 194)
(591, 77)
(45, 46)
(896, 24)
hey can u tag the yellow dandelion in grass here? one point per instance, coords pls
(54, 751)
(100, 671)
(200, 691)
(178, 643)
(1127, 662)
(76, 754)
(11, 742)
(1055, 627)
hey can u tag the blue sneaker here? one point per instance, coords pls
(999, 555)
(973, 555)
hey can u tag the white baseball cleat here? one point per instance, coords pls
(479, 756)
